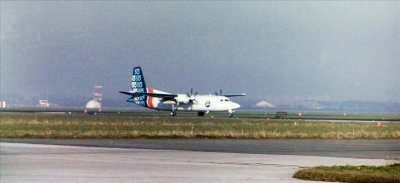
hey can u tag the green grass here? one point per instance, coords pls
(352, 174)
(42, 125)
(322, 116)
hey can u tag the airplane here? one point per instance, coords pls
(163, 101)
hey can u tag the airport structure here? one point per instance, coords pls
(98, 93)
(93, 106)
(3, 104)
(44, 103)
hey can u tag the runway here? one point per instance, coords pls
(54, 163)
(370, 149)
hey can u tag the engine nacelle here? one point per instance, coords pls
(181, 98)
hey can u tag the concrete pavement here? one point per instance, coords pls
(55, 163)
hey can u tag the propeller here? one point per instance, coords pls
(191, 95)
(218, 94)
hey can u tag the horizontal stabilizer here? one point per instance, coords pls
(127, 93)
(158, 95)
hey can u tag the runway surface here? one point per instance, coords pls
(373, 149)
(54, 163)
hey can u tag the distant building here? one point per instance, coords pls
(281, 115)
(264, 104)
(3, 104)
(94, 106)
(98, 93)
(44, 103)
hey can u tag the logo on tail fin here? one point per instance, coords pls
(138, 86)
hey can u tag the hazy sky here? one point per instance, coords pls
(270, 50)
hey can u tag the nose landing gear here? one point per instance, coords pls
(230, 113)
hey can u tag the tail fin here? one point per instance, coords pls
(138, 86)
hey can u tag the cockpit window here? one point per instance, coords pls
(226, 99)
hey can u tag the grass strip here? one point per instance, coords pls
(352, 174)
(35, 125)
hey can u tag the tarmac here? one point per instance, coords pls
(368, 149)
(21, 162)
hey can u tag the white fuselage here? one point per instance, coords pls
(200, 103)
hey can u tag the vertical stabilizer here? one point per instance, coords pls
(138, 86)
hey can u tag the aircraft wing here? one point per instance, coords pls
(158, 95)
(235, 95)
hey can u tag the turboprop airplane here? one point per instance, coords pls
(163, 101)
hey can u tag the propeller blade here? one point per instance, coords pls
(220, 91)
(191, 91)
(216, 93)
(195, 93)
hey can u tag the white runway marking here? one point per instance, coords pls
(53, 163)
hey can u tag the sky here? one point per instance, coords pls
(330, 51)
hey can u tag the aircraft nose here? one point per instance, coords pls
(235, 105)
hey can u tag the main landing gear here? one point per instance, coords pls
(174, 109)
(201, 113)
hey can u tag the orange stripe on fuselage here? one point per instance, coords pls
(150, 98)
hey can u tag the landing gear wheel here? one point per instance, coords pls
(200, 114)
(230, 113)
(172, 113)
